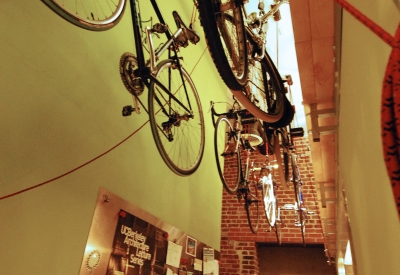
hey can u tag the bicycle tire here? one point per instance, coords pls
(225, 139)
(301, 213)
(283, 163)
(179, 142)
(251, 204)
(299, 197)
(93, 16)
(226, 39)
(286, 165)
(287, 116)
(278, 226)
(264, 93)
(303, 227)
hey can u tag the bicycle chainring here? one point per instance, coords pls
(127, 65)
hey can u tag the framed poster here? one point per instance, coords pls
(124, 239)
(191, 245)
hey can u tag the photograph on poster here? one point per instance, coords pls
(191, 245)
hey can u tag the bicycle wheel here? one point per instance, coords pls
(264, 93)
(251, 204)
(283, 163)
(278, 226)
(287, 116)
(176, 121)
(302, 217)
(301, 212)
(228, 158)
(97, 15)
(269, 200)
(224, 30)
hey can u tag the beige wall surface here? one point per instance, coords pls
(61, 100)
(374, 222)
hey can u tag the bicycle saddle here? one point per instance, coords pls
(187, 34)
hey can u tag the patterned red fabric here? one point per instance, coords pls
(390, 118)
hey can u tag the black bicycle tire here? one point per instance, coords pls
(221, 166)
(207, 15)
(286, 166)
(193, 140)
(287, 116)
(278, 225)
(295, 170)
(301, 214)
(274, 87)
(86, 23)
(282, 166)
(248, 203)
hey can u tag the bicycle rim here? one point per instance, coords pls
(263, 95)
(179, 135)
(269, 201)
(252, 207)
(299, 199)
(97, 15)
(227, 157)
(303, 227)
(225, 34)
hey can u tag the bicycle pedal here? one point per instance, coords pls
(127, 110)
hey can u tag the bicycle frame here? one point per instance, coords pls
(244, 174)
(143, 72)
(258, 21)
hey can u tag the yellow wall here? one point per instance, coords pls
(61, 99)
(374, 222)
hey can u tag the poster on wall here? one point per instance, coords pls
(210, 264)
(126, 240)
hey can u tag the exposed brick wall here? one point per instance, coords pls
(239, 244)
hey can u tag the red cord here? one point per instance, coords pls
(90, 161)
(73, 170)
(389, 39)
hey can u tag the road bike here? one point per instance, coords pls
(236, 41)
(175, 111)
(285, 152)
(236, 134)
(299, 205)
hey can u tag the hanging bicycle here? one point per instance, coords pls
(236, 41)
(236, 134)
(175, 111)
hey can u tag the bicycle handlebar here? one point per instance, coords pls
(231, 114)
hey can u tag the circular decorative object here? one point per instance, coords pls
(93, 260)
